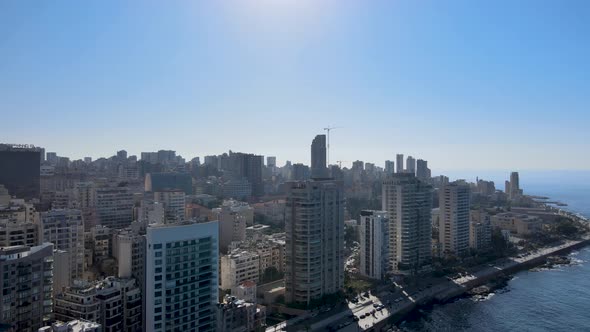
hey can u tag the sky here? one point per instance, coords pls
(466, 85)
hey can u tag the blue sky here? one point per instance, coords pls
(463, 84)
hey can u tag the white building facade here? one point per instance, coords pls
(374, 240)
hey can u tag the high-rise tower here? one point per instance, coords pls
(314, 225)
(319, 168)
(408, 202)
(454, 218)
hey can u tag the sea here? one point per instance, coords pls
(556, 299)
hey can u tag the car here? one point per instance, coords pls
(373, 312)
(356, 318)
(375, 305)
(379, 309)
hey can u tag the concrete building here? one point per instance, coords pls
(246, 291)
(233, 216)
(85, 194)
(249, 167)
(114, 207)
(169, 181)
(150, 212)
(237, 315)
(374, 240)
(300, 172)
(486, 188)
(314, 249)
(129, 250)
(77, 302)
(26, 280)
(115, 303)
(174, 202)
(120, 305)
(514, 188)
(17, 231)
(236, 188)
(20, 170)
(389, 167)
(62, 267)
(272, 211)
(399, 163)
(237, 267)
(271, 161)
(411, 165)
(408, 202)
(65, 229)
(101, 244)
(181, 277)
(319, 168)
(480, 230)
(516, 223)
(271, 254)
(422, 170)
(454, 200)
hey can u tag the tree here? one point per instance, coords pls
(271, 274)
(566, 227)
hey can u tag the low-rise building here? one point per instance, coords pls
(237, 315)
(237, 267)
(77, 302)
(233, 217)
(480, 230)
(271, 254)
(246, 291)
(521, 224)
(115, 303)
(272, 211)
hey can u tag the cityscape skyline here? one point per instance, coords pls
(276, 73)
(294, 165)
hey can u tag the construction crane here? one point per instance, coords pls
(327, 129)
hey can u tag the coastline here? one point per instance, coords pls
(462, 286)
(501, 269)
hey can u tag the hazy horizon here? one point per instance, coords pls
(464, 85)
